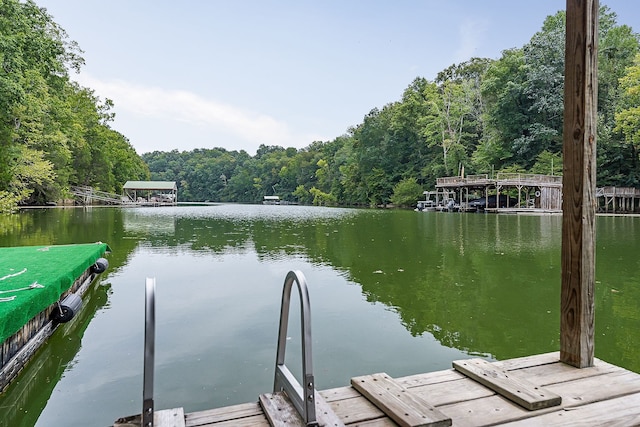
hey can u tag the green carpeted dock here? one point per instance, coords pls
(33, 279)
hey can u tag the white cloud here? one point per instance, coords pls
(184, 107)
(472, 33)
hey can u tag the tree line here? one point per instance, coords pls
(480, 116)
(54, 134)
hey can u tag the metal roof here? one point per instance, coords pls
(150, 185)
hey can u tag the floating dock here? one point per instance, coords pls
(40, 288)
(602, 395)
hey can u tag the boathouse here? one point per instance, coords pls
(151, 192)
(271, 200)
(618, 199)
(532, 192)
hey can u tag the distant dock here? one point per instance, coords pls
(535, 193)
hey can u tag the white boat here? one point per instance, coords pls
(271, 200)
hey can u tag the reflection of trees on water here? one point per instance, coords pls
(477, 282)
(34, 227)
(618, 291)
(450, 275)
(480, 283)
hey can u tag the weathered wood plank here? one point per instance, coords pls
(578, 184)
(528, 361)
(256, 421)
(356, 410)
(593, 389)
(491, 410)
(381, 422)
(339, 393)
(280, 411)
(404, 407)
(325, 414)
(454, 391)
(509, 385)
(234, 412)
(544, 375)
(13, 367)
(561, 372)
(467, 402)
(430, 378)
(169, 418)
(620, 412)
(496, 410)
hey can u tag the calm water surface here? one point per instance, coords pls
(391, 291)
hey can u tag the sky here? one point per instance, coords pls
(239, 73)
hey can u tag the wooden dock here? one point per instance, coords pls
(601, 395)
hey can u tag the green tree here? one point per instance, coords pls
(36, 57)
(406, 193)
(302, 195)
(548, 163)
(628, 119)
(320, 198)
(53, 133)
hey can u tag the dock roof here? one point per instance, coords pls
(150, 185)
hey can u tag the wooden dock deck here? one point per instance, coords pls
(601, 395)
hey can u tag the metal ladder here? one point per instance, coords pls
(149, 352)
(304, 398)
(147, 417)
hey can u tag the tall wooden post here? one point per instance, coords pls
(579, 177)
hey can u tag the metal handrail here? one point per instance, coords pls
(302, 398)
(149, 352)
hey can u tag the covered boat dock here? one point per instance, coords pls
(533, 192)
(152, 193)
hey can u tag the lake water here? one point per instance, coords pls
(400, 292)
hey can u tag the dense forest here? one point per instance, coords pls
(54, 134)
(481, 116)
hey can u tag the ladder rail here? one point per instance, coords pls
(302, 397)
(149, 352)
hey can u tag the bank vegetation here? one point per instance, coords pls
(480, 116)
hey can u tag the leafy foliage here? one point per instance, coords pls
(53, 133)
(406, 192)
(480, 116)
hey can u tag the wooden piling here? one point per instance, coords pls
(579, 177)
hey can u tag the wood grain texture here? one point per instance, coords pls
(404, 407)
(280, 411)
(169, 418)
(601, 395)
(579, 202)
(508, 384)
